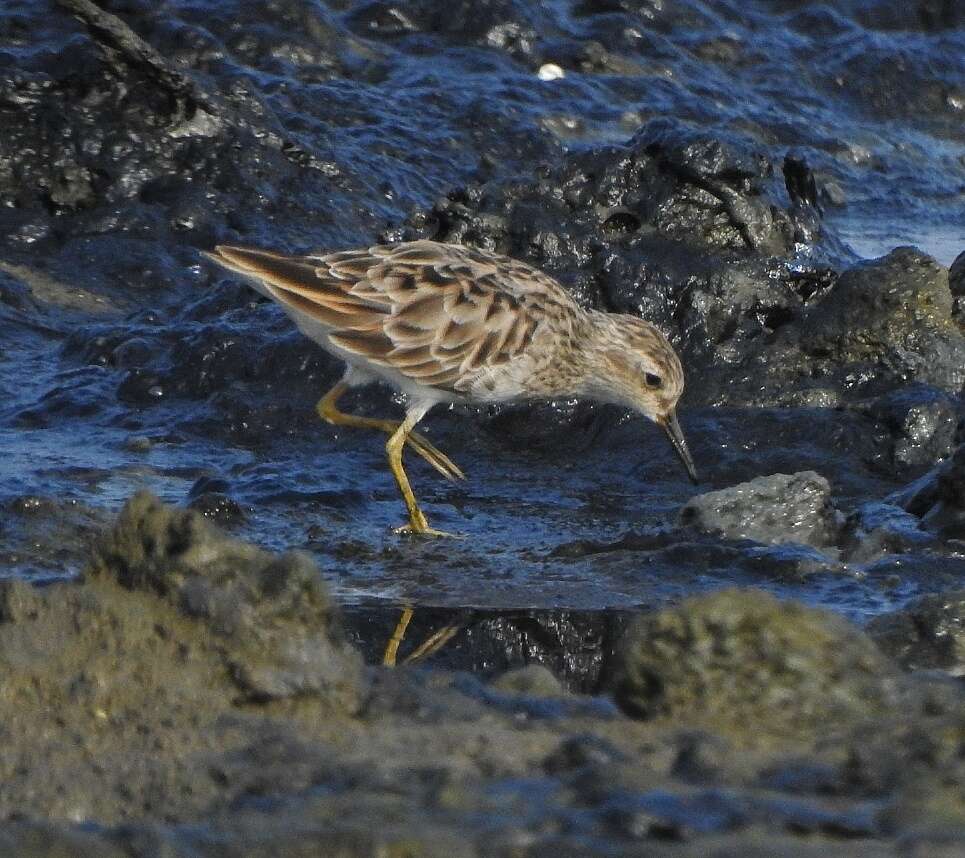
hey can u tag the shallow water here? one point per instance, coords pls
(128, 338)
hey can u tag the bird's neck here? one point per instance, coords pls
(602, 338)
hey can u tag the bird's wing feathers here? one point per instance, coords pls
(435, 313)
(298, 282)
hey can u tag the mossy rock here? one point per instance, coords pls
(746, 663)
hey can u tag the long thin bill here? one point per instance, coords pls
(676, 436)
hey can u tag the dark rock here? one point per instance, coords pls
(500, 24)
(956, 284)
(920, 15)
(741, 660)
(619, 211)
(135, 352)
(956, 276)
(892, 314)
(918, 425)
(928, 634)
(938, 498)
(720, 191)
(120, 42)
(701, 757)
(218, 507)
(788, 562)
(801, 184)
(689, 230)
(880, 324)
(778, 508)
(876, 529)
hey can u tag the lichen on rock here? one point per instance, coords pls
(753, 667)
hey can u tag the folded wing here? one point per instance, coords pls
(435, 313)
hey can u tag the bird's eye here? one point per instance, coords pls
(653, 380)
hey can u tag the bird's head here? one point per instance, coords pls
(638, 368)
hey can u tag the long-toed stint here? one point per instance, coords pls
(444, 323)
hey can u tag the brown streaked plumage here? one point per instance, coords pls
(446, 323)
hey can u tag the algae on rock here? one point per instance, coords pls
(752, 666)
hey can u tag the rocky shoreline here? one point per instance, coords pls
(197, 696)
(769, 664)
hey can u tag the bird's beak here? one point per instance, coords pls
(676, 435)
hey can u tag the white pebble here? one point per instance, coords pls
(550, 71)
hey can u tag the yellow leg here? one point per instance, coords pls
(432, 644)
(328, 410)
(429, 646)
(393, 447)
(392, 647)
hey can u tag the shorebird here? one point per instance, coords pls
(443, 323)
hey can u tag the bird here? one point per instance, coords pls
(446, 323)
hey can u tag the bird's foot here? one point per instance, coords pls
(418, 526)
(409, 530)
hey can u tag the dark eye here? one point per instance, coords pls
(653, 380)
